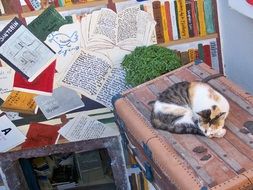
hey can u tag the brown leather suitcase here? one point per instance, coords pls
(189, 162)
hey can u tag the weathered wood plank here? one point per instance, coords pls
(233, 152)
(162, 84)
(190, 160)
(222, 154)
(245, 138)
(159, 86)
(145, 96)
(140, 107)
(239, 145)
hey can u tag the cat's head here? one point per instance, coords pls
(211, 121)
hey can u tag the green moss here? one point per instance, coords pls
(146, 63)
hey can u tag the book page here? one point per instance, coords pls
(103, 25)
(83, 127)
(114, 84)
(135, 28)
(87, 73)
(127, 25)
(10, 136)
(6, 79)
(66, 42)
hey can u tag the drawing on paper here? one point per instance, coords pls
(64, 41)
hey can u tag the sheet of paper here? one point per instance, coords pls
(113, 85)
(6, 79)
(87, 73)
(10, 136)
(66, 42)
(84, 127)
(62, 101)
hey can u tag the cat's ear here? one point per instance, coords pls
(222, 115)
(205, 113)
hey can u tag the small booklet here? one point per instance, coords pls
(41, 135)
(63, 100)
(23, 51)
(10, 136)
(21, 102)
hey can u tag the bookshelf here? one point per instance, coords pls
(188, 40)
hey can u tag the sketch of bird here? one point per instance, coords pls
(63, 40)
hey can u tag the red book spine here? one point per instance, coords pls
(194, 19)
(168, 18)
(56, 3)
(207, 55)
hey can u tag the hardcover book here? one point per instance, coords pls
(21, 102)
(48, 21)
(23, 51)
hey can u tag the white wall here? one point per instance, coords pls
(237, 45)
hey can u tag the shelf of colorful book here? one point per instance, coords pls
(188, 40)
(27, 13)
(72, 7)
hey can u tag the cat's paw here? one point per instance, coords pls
(220, 133)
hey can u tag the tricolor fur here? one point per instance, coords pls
(191, 108)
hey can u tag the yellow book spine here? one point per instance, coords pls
(201, 15)
(165, 24)
(182, 19)
(68, 3)
(192, 55)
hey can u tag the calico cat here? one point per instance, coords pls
(191, 108)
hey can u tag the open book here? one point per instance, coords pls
(93, 75)
(127, 29)
(23, 51)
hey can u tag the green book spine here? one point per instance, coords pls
(201, 51)
(61, 3)
(176, 11)
(208, 8)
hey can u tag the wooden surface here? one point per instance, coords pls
(225, 158)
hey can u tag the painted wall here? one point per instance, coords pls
(236, 32)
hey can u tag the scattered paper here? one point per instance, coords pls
(62, 101)
(84, 127)
(10, 136)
